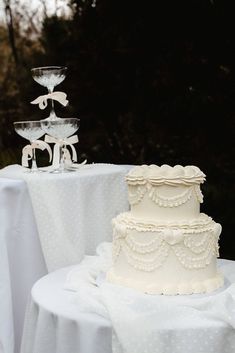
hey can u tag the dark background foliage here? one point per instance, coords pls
(152, 82)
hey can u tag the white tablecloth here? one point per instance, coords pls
(59, 321)
(72, 214)
(73, 211)
(54, 324)
(21, 260)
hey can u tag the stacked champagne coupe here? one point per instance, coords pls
(57, 130)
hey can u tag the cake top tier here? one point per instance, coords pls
(155, 175)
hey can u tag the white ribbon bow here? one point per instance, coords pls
(57, 96)
(69, 141)
(27, 152)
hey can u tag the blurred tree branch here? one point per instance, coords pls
(45, 11)
(11, 32)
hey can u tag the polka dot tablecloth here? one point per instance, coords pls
(73, 211)
(76, 310)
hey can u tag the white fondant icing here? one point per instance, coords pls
(165, 202)
(147, 248)
(126, 220)
(170, 201)
(164, 244)
(183, 288)
(166, 175)
(136, 194)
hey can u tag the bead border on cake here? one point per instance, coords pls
(183, 288)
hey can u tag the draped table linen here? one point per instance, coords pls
(49, 221)
(76, 310)
(21, 260)
(73, 211)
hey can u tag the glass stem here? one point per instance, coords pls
(34, 167)
(62, 164)
(52, 111)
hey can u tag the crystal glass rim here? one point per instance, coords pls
(49, 68)
(27, 121)
(60, 121)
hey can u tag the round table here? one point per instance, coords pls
(55, 324)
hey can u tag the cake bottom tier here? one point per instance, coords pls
(166, 258)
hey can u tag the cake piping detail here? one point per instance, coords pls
(204, 286)
(192, 226)
(199, 256)
(165, 174)
(164, 245)
(135, 195)
(198, 193)
(119, 232)
(193, 251)
(146, 263)
(173, 201)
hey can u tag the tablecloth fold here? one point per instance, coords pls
(160, 324)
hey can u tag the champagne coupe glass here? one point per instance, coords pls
(60, 129)
(49, 77)
(32, 131)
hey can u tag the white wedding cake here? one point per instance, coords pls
(164, 245)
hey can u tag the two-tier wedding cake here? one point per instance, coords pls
(164, 245)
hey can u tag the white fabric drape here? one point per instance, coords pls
(53, 323)
(6, 310)
(92, 313)
(73, 211)
(159, 324)
(21, 260)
